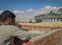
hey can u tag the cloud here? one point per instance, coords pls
(18, 11)
(46, 9)
(30, 10)
(50, 7)
(1, 11)
(25, 15)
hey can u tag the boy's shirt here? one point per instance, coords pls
(6, 31)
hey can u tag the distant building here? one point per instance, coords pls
(53, 16)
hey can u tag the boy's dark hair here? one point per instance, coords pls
(7, 14)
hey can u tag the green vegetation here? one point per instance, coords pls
(52, 15)
(30, 21)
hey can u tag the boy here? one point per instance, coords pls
(8, 30)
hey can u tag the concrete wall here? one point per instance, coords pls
(51, 38)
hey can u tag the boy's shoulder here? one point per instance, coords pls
(7, 27)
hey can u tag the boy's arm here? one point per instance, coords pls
(23, 35)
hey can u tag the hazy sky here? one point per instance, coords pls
(27, 9)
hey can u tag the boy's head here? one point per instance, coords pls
(7, 18)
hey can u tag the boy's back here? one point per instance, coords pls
(6, 31)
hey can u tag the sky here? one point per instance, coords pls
(27, 9)
(26, 4)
